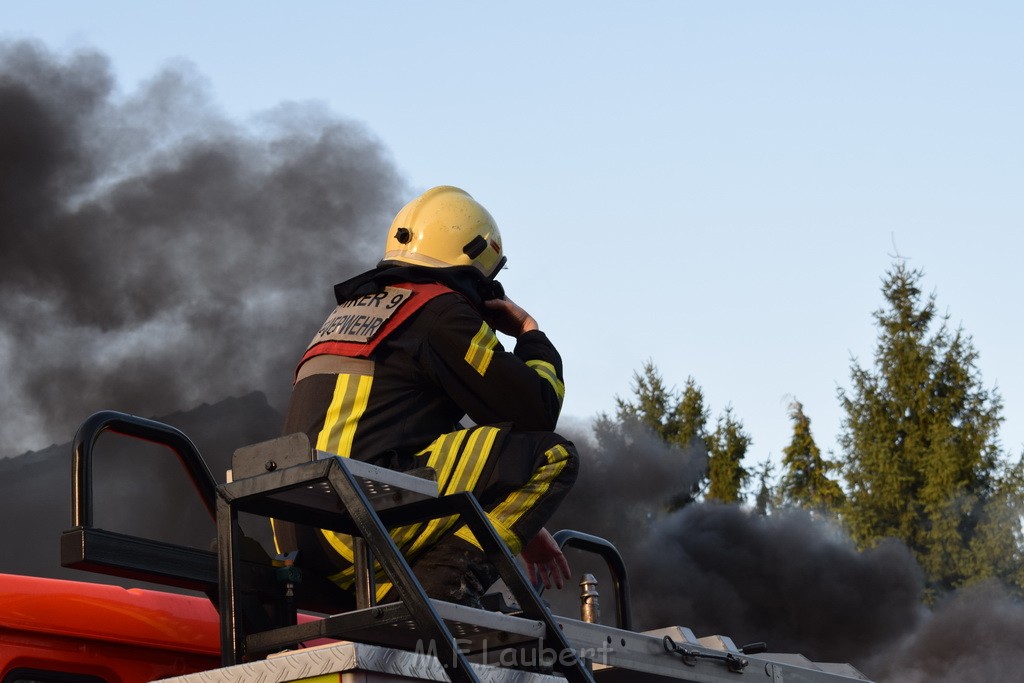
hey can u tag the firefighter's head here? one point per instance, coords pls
(445, 227)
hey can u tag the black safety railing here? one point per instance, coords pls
(616, 567)
(107, 552)
(139, 428)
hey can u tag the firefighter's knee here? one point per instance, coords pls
(569, 458)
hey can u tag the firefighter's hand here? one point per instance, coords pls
(508, 317)
(545, 561)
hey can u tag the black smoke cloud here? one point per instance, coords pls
(974, 636)
(788, 579)
(155, 254)
(627, 476)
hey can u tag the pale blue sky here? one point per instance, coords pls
(717, 187)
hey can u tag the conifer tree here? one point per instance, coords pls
(996, 546)
(653, 405)
(727, 447)
(680, 421)
(805, 481)
(692, 414)
(764, 499)
(919, 440)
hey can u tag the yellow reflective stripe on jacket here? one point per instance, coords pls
(548, 372)
(481, 349)
(273, 533)
(351, 395)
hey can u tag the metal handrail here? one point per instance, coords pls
(139, 428)
(617, 568)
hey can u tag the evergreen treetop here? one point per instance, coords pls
(919, 436)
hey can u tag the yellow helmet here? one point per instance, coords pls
(445, 227)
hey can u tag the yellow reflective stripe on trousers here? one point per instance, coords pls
(521, 501)
(481, 349)
(442, 465)
(351, 394)
(547, 371)
(342, 544)
(472, 461)
(458, 462)
(442, 459)
(470, 465)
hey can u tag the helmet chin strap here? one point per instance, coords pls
(497, 268)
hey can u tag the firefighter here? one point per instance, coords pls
(409, 352)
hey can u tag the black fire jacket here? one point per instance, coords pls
(417, 378)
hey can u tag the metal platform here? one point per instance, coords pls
(280, 479)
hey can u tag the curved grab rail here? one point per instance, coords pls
(139, 428)
(610, 554)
